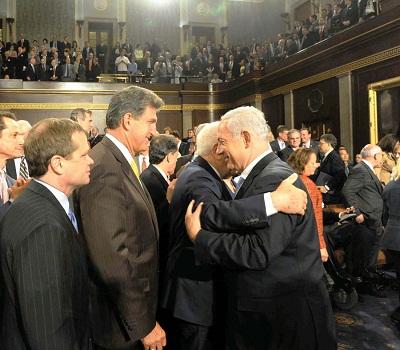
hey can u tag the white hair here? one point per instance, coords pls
(246, 119)
(206, 139)
(370, 150)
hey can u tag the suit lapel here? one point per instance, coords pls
(128, 171)
(374, 177)
(44, 192)
(254, 173)
(158, 175)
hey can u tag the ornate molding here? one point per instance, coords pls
(364, 62)
(63, 106)
(205, 107)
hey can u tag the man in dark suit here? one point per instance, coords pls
(11, 146)
(43, 70)
(281, 139)
(119, 224)
(349, 14)
(87, 50)
(330, 176)
(190, 290)
(55, 71)
(23, 42)
(45, 297)
(101, 53)
(293, 144)
(31, 70)
(96, 137)
(183, 147)
(276, 295)
(308, 143)
(55, 43)
(363, 191)
(163, 154)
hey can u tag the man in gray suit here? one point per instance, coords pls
(363, 191)
(11, 146)
(68, 71)
(45, 296)
(119, 224)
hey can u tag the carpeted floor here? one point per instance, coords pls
(368, 324)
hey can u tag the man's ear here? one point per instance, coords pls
(56, 164)
(246, 138)
(127, 121)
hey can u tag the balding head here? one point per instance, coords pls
(372, 154)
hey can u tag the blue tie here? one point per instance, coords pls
(72, 217)
(238, 183)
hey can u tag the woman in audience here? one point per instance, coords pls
(391, 221)
(46, 44)
(74, 49)
(304, 162)
(138, 52)
(387, 144)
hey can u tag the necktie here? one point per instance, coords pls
(44, 68)
(135, 168)
(346, 170)
(3, 186)
(23, 171)
(238, 183)
(72, 217)
(67, 70)
(144, 165)
(90, 64)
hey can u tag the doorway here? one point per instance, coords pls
(203, 34)
(97, 31)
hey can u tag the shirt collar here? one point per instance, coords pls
(121, 147)
(250, 167)
(60, 196)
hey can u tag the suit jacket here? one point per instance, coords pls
(95, 140)
(285, 153)
(72, 73)
(315, 146)
(266, 265)
(57, 71)
(350, 14)
(332, 165)
(189, 287)
(363, 190)
(45, 290)
(58, 44)
(43, 74)
(85, 53)
(391, 219)
(184, 148)
(11, 169)
(122, 241)
(157, 187)
(31, 73)
(4, 207)
(275, 146)
(26, 44)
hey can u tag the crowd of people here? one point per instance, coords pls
(208, 241)
(65, 61)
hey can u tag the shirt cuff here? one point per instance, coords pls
(269, 207)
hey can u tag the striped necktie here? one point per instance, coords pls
(23, 170)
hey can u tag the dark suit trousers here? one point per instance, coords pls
(278, 329)
(135, 346)
(192, 336)
(365, 248)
